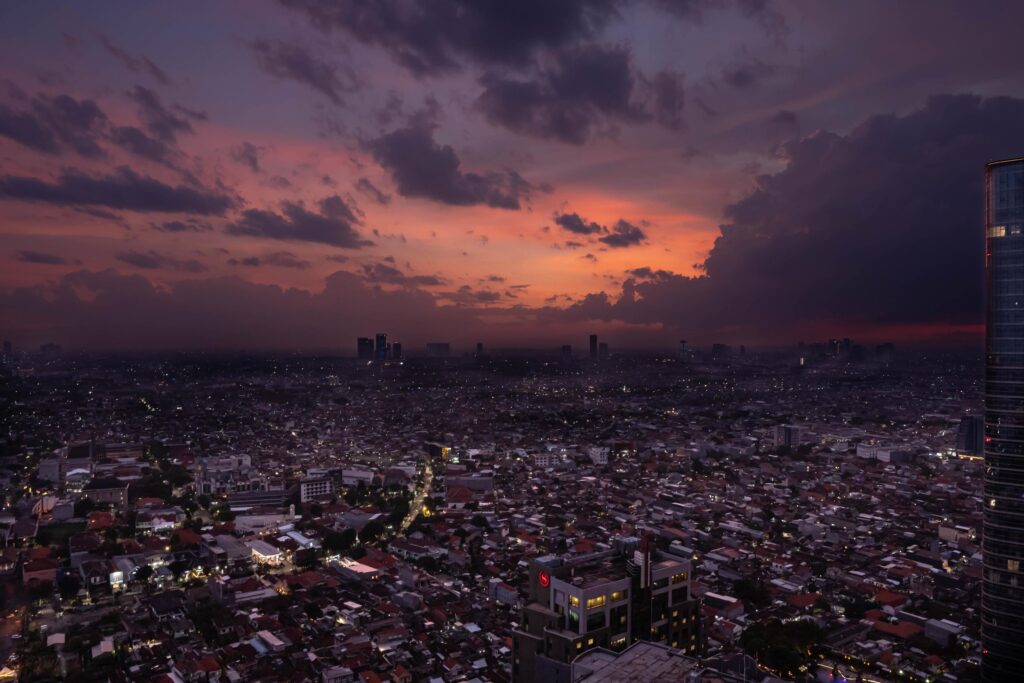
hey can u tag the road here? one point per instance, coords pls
(422, 492)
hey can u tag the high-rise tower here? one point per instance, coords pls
(1002, 602)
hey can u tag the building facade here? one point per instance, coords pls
(1002, 605)
(609, 600)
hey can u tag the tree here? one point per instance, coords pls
(144, 573)
(339, 542)
(371, 531)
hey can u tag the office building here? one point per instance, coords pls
(970, 436)
(315, 488)
(364, 348)
(602, 351)
(1002, 601)
(479, 349)
(593, 347)
(396, 351)
(609, 600)
(380, 347)
(788, 436)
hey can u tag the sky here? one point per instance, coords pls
(292, 174)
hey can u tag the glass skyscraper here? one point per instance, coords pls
(1002, 604)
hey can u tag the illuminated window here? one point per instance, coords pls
(590, 641)
(579, 645)
(996, 231)
(618, 595)
(574, 601)
(679, 578)
(1013, 565)
(596, 602)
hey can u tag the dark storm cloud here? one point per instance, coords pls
(467, 296)
(152, 260)
(882, 225)
(248, 155)
(586, 86)
(294, 62)
(433, 36)
(136, 64)
(385, 274)
(574, 223)
(125, 189)
(280, 259)
(53, 123)
(41, 258)
(422, 168)
(334, 224)
(586, 89)
(160, 120)
(135, 141)
(761, 12)
(372, 191)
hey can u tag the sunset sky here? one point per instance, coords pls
(293, 174)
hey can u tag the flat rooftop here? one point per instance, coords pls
(641, 661)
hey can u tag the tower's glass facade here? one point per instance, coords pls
(1002, 605)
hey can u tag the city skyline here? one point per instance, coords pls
(296, 174)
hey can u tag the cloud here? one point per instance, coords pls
(159, 120)
(138, 143)
(434, 36)
(152, 260)
(125, 189)
(136, 64)
(370, 190)
(294, 62)
(873, 227)
(586, 89)
(81, 309)
(385, 274)
(280, 259)
(574, 223)
(334, 224)
(248, 155)
(41, 258)
(422, 168)
(623, 234)
(747, 74)
(186, 225)
(53, 123)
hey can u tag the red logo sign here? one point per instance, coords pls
(544, 578)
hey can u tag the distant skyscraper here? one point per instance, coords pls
(364, 348)
(593, 346)
(1002, 601)
(396, 351)
(380, 348)
(602, 351)
(479, 349)
(566, 351)
(684, 351)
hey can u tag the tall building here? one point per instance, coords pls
(610, 600)
(970, 436)
(602, 351)
(593, 347)
(396, 351)
(380, 347)
(1002, 601)
(364, 348)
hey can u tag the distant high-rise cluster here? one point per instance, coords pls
(378, 349)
